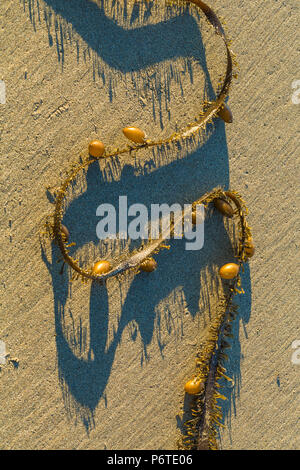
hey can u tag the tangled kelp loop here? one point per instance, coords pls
(212, 110)
(134, 260)
(201, 430)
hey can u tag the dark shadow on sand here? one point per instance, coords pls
(182, 181)
(120, 53)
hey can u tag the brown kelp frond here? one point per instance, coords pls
(201, 430)
(206, 416)
(135, 259)
(139, 141)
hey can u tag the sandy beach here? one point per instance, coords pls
(103, 367)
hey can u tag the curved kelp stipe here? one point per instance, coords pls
(193, 128)
(81, 396)
(210, 369)
(201, 429)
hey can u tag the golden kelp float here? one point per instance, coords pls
(202, 430)
(149, 265)
(194, 386)
(65, 232)
(225, 114)
(101, 267)
(135, 134)
(96, 148)
(249, 248)
(229, 270)
(224, 207)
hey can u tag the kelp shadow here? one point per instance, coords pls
(110, 44)
(231, 390)
(84, 381)
(182, 180)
